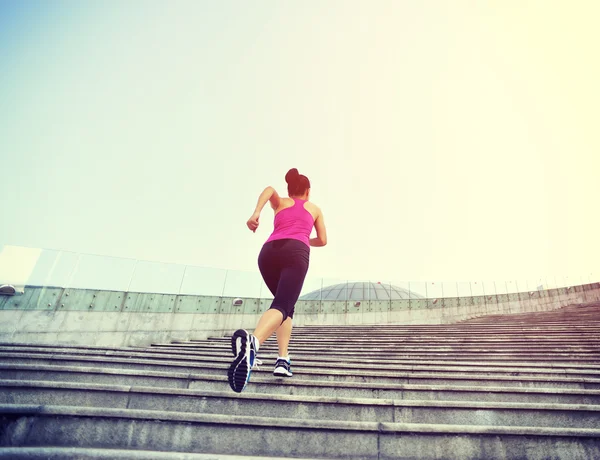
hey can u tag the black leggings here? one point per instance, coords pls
(283, 265)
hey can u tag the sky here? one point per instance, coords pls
(452, 141)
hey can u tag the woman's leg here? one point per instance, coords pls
(268, 323)
(291, 282)
(284, 333)
(279, 316)
(283, 365)
(243, 344)
(290, 285)
(283, 265)
(270, 269)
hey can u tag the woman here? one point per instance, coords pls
(283, 263)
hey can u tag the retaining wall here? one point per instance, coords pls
(53, 315)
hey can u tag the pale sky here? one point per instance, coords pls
(443, 140)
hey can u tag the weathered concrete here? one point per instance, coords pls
(79, 316)
(519, 386)
(312, 366)
(472, 413)
(505, 377)
(159, 430)
(264, 384)
(70, 453)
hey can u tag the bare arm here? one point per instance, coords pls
(268, 194)
(321, 239)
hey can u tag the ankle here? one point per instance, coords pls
(255, 342)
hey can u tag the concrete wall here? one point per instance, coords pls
(110, 318)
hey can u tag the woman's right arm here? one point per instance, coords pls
(268, 194)
(321, 239)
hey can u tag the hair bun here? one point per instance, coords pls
(292, 175)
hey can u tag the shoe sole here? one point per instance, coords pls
(282, 373)
(239, 371)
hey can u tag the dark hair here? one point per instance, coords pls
(297, 183)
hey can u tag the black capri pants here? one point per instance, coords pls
(283, 265)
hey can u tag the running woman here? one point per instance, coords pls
(283, 263)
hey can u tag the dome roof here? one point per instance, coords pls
(363, 290)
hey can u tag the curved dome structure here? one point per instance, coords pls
(363, 290)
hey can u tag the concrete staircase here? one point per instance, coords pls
(505, 386)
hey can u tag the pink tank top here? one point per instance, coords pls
(294, 222)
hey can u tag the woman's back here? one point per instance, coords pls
(287, 202)
(294, 220)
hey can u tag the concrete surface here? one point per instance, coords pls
(116, 318)
(158, 430)
(525, 385)
(74, 453)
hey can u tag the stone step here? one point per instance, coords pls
(510, 329)
(579, 355)
(393, 362)
(588, 321)
(267, 384)
(393, 350)
(471, 340)
(473, 413)
(376, 333)
(221, 364)
(80, 453)
(564, 313)
(404, 345)
(432, 340)
(376, 336)
(423, 344)
(270, 384)
(346, 341)
(390, 358)
(383, 354)
(510, 319)
(69, 426)
(218, 354)
(373, 376)
(580, 347)
(436, 338)
(584, 352)
(589, 317)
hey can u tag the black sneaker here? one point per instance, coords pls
(283, 368)
(243, 346)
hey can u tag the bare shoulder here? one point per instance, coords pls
(313, 209)
(311, 205)
(284, 202)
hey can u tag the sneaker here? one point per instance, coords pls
(243, 346)
(283, 368)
